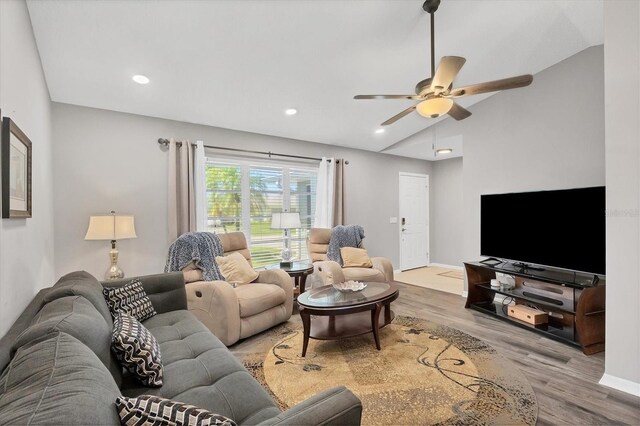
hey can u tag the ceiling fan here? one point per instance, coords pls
(436, 94)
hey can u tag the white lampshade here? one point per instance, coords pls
(434, 107)
(111, 227)
(285, 220)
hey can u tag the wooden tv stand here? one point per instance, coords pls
(575, 303)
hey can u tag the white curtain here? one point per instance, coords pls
(186, 188)
(325, 194)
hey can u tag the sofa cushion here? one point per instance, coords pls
(200, 370)
(57, 380)
(353, 257)
(77, 317)
(81, 283)
(149, 409)
(363, 274)
(137, 349)
(255, 298)
(236, 269)
(130, 299)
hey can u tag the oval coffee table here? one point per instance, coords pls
(338, 315)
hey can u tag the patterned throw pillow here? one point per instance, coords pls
(155, 411)
(137, 350)
(129, 299)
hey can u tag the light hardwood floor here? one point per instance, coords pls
(564, 379)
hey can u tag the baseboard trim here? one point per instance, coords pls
(620, 384)
(465, 293)
(397, 271)
(444, 265)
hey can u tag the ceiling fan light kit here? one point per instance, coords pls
(436, 94)
(435, 107)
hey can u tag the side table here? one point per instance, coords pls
(298, 271)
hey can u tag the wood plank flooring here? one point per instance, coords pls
(564, 379)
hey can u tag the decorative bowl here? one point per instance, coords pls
(350, 286)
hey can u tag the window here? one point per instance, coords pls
(241, 196)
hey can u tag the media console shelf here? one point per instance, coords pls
(575, 303)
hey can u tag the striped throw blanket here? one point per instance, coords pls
(199, 247)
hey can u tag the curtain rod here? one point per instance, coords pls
(165, 142)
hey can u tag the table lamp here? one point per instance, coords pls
(286, 221)
(111, 227)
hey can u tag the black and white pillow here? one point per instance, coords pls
(137, 350)
(155, 411)
(129, 299)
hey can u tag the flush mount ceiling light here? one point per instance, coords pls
(444, 151)
(291, 111)
(378, 131)
(435, 107)
(141, 79)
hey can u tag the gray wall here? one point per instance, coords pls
(447, 214)
(622, 133)
(549, 135)
(26, 245)
(107, 160)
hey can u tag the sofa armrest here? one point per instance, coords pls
(282, 280)
(383, 265)
(166, 290)
(336, 406)
(215, 304)
(330, 272)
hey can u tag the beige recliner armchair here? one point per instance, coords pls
(328, 272)
(237, 313)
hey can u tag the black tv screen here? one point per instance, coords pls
(563, 229)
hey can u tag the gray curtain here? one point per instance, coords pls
(338, 193)
(181, 190)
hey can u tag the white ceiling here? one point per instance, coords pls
(239, 64)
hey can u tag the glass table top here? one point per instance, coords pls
(329, 297)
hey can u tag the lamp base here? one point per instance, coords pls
(114, 272)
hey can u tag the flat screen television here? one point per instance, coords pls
(562, 229)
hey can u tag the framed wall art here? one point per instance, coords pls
(16, 171)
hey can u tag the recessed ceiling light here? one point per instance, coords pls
(141, 79)
(380, 131)
(291, 111)
(444, 151)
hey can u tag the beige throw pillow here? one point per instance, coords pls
(236, 269)
(355, 258)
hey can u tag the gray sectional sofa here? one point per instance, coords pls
(57, 367)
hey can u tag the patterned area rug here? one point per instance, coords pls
(425, 373)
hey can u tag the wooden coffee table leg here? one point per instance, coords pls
(387, 314)
(375, 316)
(306, 324)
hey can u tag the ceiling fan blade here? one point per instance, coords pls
(448, 69)
(386, 97)
(458, 112)
(399, 116)
(493, 86)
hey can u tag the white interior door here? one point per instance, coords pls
(414, 220)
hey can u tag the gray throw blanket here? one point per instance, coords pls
(344, 236)
(199, 247)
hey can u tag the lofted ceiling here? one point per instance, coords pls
(239, 64)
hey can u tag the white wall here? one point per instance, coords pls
(447, 237)
(549, 135)
(26, 245)
(622, 133)
(107, 160)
